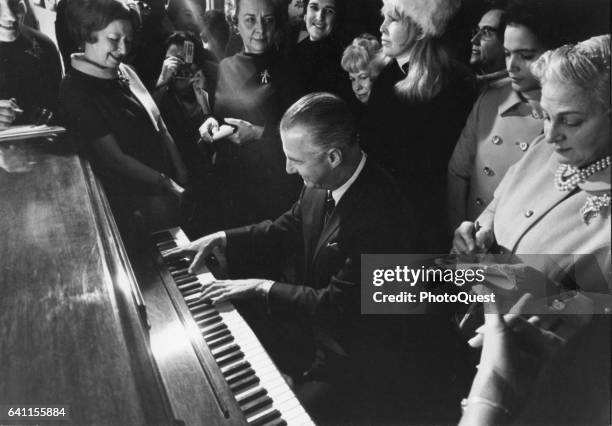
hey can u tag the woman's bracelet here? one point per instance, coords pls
(484, 401)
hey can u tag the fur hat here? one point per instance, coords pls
(431, 15)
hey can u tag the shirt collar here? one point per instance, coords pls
(493, 76)
(403, 65)
(339, 192)
(80, 64)
(515, 99)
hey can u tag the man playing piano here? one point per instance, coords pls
(348, 206)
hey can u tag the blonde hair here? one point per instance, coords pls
(429, 70)
(429, 60)
(364, 54)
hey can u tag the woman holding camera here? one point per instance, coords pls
(105, 106)
(184, 93)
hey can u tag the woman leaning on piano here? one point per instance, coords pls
(552, 210)
(113, 118)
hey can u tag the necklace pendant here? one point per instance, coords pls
(567, 177)
(123, 80)
(264, 77)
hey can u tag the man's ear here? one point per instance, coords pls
(335, 156)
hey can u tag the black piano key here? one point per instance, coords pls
(188, 286)
(242, 365)
(166, 246)
(217, 335)
(180, 271)
(225, 351)
(239, 376)
(187, 279)
(244, 384)
(256, 406)
(181, 275)
(176, 264)
(162, 236)
(277, 422)
(207, 322)
(213, 344)
(204, 314)
(192, 291)
(214, 329)
(230, 358)
(187, 283)
(257, 393)
(263, 420)
(198, 302)
(201, 306)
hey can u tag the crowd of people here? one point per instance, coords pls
(311, 137)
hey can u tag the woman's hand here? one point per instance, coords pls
(245, 131)
(198, 81)
(169, 185)
(513, 353)
(9, 111)
(208, 129)
(470, 238)
(169, 68)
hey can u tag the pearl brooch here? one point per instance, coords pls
(568, 177)
(593, 206)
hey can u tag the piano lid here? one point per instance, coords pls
(70, 332)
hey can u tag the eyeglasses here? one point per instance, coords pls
(485, 33)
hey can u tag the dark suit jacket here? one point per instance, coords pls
(371, 217)
(402, 365)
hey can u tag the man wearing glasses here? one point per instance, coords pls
(487, 57)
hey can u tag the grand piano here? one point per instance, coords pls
(118, 339)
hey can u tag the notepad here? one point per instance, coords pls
(29, 131)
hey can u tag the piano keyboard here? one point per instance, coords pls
(261, 392)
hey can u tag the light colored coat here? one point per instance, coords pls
(500, 129)
(531, 216)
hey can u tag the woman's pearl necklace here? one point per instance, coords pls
(568, 177)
